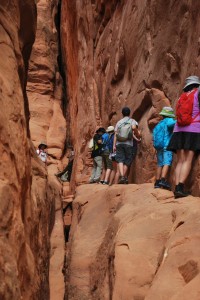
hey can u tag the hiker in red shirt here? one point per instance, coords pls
(185, 140)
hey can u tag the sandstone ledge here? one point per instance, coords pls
(133, 242)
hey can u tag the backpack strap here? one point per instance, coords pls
(126, 122)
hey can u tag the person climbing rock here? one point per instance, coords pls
(97, 156)
(41, 152)
(107, 153)
(185, 140)
(65, 175)
(161, 136)
(123, 143)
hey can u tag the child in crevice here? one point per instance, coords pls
(161, 137)
(65, 174)
(42, 154)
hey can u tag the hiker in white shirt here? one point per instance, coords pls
(41, 151)
(125, 131)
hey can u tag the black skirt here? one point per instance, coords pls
(184, 141)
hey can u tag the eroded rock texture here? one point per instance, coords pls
(26, 197)
(45, 85)
(132, 242)
(127, 53)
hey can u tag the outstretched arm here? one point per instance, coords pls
(136, 132)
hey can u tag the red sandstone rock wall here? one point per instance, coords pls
(26, 197)
(127, 53)
(133, 242)
(45, 86)
(45, 90)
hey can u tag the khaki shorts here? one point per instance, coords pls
(107, 161)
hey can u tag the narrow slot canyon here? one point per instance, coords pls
(67, 67)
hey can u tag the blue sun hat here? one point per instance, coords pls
(167, 111)
(191, 80)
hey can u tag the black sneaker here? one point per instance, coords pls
(105, 183)
(179, 192)
(101, 181)
(122, 180)
(157, 184)
(165, 185)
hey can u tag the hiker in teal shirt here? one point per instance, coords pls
(162, 134)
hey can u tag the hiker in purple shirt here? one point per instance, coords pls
(185, 140)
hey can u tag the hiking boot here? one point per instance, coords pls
(157, 184)
(179, 191)
(122, 180)
(164, 184)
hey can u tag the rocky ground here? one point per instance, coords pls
(133, 242)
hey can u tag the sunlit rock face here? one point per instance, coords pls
(129, 53)
(26, 197)
(133, 242)
(45, 85)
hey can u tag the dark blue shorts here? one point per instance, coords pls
(125, 154)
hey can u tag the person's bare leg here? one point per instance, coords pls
(112, 175)
(121, 168)
(180, 159)
(158, 173)
(108, 171)
(125, 170)
(186, 166)
(117, 176)
(103, 174)
(164, 172)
